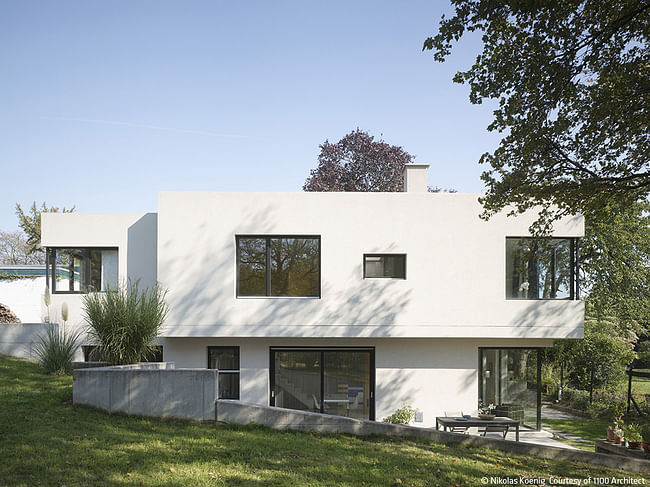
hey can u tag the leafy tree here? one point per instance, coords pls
(615, 259)
(30, 223)
(601, 358)
(572, 80)
(14, 249)
(123, 322)
(359, 163)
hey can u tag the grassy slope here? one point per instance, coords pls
(588, 429)
(47, 441)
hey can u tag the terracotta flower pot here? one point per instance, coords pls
(634, 445)
(610, 434)
(646, 446)
(617, 439)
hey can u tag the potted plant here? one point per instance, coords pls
(615, 431)
(486, 412)
(645, 435)
(633, 436)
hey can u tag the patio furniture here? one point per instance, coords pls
(456, 429)
(499, 421)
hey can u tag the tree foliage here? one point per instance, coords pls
(30, 223)
(15, 251)
(358, 163)
(572, 80)
(615, 259)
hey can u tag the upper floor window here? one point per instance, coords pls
(278, 266)
(384, 265)
(541, 268)
(81, 270)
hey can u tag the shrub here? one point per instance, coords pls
(403, 415)
(123, 322)
(56, 349)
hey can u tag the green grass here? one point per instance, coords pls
(589, 430)
(640, 385)
(45, 440)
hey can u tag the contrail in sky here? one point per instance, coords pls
(144, 126)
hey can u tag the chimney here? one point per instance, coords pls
(415, 178)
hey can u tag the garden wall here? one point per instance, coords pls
(229, 411)
(19, 339)
(150, 389)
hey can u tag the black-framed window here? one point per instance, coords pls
(544, 268)
(81, 269)
(384, 266)
(330, 380)
(278, 266)
(226, 361)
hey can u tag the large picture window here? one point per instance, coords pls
(226, 361)
(384, 266)
(278, 266)
(541, 268)
(81, 270)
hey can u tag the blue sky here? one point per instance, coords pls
(103, 104)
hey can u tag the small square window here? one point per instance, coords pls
(391, 266)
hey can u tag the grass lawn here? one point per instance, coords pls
(588, 429)
(640, 385)
(45, 440)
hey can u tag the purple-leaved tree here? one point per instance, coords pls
(358, 163)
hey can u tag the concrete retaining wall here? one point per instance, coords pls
(19, 339)
(229, 411)
(151, 389)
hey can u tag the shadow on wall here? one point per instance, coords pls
(142, 250)
(202, 291)
(547, 315)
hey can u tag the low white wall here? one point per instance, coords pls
(24, 297)
(151, 389)
(19, 339)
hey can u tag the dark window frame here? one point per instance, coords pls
(50, 263)
(322, 350)
(228, 371)
(268, 239)
(574, 263)
(538, 388)
(383, 255)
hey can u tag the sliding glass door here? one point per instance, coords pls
(509, 379)
(336, 381)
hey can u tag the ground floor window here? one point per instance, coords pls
(337, 381)
(510, 379)
(226, 361)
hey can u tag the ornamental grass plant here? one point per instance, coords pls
(55, 350)
(124, 321)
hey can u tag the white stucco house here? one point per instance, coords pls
(346, 303)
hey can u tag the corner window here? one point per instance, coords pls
(226, 361)
(384, 265)
(278, 266)
(541, 268)
(81, 270)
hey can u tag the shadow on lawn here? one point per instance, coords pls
(48, 441)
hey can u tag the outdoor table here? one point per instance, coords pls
(447, 422)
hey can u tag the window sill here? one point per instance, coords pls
(277, 297)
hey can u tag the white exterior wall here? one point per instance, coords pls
(455, 284)
(24, 296)
(134, 235)
(432, 375)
